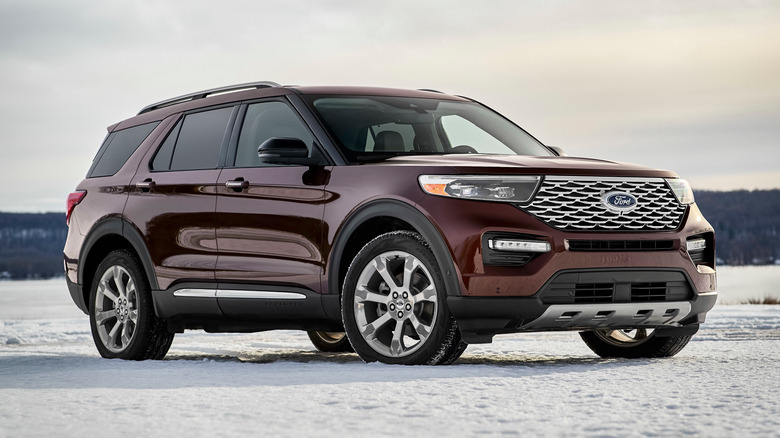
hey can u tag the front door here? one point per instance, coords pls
(269, 217)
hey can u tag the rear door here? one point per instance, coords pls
(174, 198)
(269, 217)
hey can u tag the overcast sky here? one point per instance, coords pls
(692, 86)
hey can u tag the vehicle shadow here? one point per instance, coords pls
(308, 356)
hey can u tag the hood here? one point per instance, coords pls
(528, 165)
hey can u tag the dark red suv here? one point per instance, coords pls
(403, 224)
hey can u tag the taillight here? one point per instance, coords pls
(73, 200)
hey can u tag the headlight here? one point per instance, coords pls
(682, 190)
(481, 188)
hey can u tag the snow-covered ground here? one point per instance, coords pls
(53, 383)
(737, 284)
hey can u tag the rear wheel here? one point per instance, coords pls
(122, 317)
(633, 343)
(393, 304)
(330, 342)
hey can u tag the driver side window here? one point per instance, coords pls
(266, 120)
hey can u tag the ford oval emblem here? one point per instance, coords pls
(619, 201)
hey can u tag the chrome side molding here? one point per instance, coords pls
(242, 294)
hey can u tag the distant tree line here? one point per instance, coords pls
(31, 245)
(746, 232)
(746, 225)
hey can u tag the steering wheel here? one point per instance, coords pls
(463, 149)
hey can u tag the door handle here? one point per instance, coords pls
(146, 185)
(237, 185)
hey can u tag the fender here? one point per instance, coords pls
(121, 227)
(408, 214)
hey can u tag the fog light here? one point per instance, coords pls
(518, 245)
(695, 244)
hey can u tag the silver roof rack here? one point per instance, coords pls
(205, 93)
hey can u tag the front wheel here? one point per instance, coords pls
(330, 342)
(393, 304)
(633, 343)
(122, 317)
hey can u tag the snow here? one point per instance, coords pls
(53, 383)
(737, 284)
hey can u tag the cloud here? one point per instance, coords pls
(690, 86)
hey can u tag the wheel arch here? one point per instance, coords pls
(379, 217)
(108, 235)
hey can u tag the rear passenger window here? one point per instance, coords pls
(117, 148)
(195, 142)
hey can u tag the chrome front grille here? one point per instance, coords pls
(574, 203)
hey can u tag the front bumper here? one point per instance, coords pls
(650, 278)
(480, 318)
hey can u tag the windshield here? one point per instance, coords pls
(371, 127)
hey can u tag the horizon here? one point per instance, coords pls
(694, 191)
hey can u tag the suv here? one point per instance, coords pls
(403, 224)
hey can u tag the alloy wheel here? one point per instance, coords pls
(116, 309)
(395, 303)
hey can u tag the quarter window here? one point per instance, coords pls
(117, 148)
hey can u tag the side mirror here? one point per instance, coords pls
(278, 150)
(558, 151)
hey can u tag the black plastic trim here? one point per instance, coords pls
(480, 318)
(166, 305)
(228, 155)
(135, 238)
(77, 294)
(492, 257)
(561, 288)
(271, 309)
(194, 309)
(596, 245)
(119, 227)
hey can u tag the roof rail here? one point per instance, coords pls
(205, 93)
(431, 90)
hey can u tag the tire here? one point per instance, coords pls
(393, 304)
(122, 318)
(330, 342)
(455, 351)
(633, 344)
